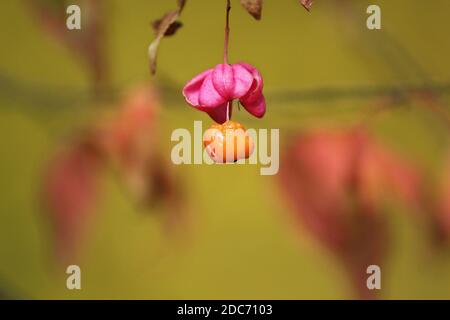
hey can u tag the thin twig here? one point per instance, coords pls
(227, 33)
(61, 98)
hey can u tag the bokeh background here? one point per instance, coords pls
(199, 231)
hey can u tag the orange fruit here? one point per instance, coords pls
(228, 142)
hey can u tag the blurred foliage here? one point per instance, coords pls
(240, 243)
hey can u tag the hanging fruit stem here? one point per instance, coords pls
(227, 32)
(225, 50)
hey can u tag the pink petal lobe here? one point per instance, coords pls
(255, 107)
(208, 96)
(231, 81)
(191, 90)
(222, 77)
(218, 114)
(256, 89)
(243, 81)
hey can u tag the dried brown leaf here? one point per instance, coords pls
(254, 7)
(181, 4)
(166, 26)
(163, 27)
(306, 3)
(170, 31)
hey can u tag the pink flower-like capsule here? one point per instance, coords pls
(213, 90)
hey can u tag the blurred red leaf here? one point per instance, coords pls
(440, 206)
(87, 43)
(70, 194)
(127, 140)
(337, 183)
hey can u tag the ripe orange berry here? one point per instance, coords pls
(228, 142)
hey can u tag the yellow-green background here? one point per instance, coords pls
(240, 242)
